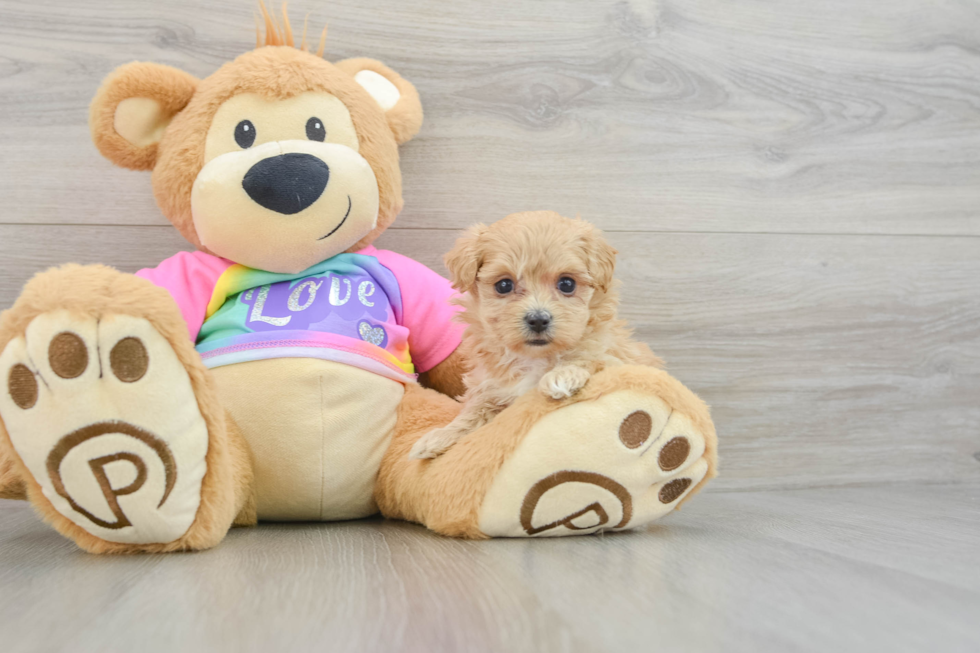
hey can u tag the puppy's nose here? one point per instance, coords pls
(287, 183)
(538, 321)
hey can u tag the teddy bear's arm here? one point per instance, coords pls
(447, 376)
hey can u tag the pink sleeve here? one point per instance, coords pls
(432, 333)
(190, 278)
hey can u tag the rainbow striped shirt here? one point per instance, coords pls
(375, 309)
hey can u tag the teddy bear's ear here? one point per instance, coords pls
(396, 96)
(465, 258)
(132, 109)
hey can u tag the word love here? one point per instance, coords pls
(299, 304)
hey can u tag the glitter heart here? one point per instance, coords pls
(374, 335)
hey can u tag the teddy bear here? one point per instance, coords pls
(283, 370)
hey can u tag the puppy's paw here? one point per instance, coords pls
(564, 381)
(434, 443)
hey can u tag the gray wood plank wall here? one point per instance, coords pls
(794, 187)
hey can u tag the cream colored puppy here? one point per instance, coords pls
(541, 305)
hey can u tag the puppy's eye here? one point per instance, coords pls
(504, 286)
(245, 134)
(315, 131)
(566, 285)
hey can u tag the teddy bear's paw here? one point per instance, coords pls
(104, 417)
(614, 463)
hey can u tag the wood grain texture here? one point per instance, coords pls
(889, 568)
(793, 187)
(827, 360)
(793, 116)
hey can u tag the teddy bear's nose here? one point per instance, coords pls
(287, 183)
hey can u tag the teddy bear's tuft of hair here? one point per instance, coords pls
(276, 34)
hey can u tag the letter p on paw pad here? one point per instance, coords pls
(103, 415)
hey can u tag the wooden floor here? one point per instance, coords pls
(794, 187)
(892, 568)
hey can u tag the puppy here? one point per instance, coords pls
(540, 303)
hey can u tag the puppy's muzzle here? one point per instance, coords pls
(287, 183)
(537, 321)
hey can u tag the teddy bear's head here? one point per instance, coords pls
(277, 161)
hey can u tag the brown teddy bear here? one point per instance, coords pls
(284, 370)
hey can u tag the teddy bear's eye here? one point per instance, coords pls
(245, 134)
(315, 130)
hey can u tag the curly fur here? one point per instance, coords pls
(533, 250)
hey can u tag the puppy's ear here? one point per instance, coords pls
(601, 258)
(465, 258)
(394, 94)
(132, 109)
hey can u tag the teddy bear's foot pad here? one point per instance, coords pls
(104, 417)
(618, 462)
